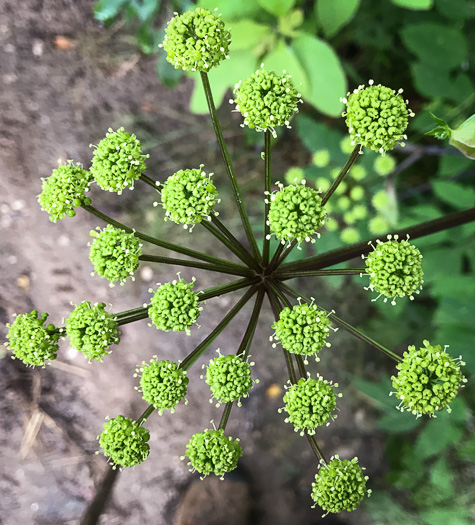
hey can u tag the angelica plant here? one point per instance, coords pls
(428, 378)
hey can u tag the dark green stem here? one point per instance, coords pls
(343, 324)
(146, 414)
(322, 273)
(225, 416)
(129, 313)
(156, 185)
(275, 258)
(286, 253)
(229, 167)
(191, 359)
(363, 248)
(238, 270)
(222, 289)
(343, 172)
(267, 187)
(132, 318)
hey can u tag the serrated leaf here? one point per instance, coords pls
(334, 14)
(277, 7)
(435, 44)
(239, 66)
(454, 194)
(105, 10)
(327, 81)
(415, 5)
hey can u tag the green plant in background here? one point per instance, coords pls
(428, 378)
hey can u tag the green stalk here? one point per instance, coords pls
(229, 167)
(222, 289)
(191, 359)
(156, 185)
(146, 414)
(343, 172)
(157, 242)
(244, 272)
(275, 258)
(267, 186)
(286, 253)
(363, 248)
(346, 326)
(128, 313)
(312, 273)
(243, 349)
(132, 318)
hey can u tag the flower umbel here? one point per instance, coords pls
(428, 379)
(92, 330)
(65, 190)
(31, 341)
(124, 441)
(196, 40)
(118, 161)
(339, 485)
(376, 117)
(162, 383)
(211, 451)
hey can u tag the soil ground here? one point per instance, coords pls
(65, 80)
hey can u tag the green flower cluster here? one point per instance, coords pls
(114, 253)
(196, 40)
(31, 341)
(124, 441)
(65, 190)
(295, 212)
(339, 485)
(376, 117)
(162, 383)
(212, 451)
(229, 378)
(428, 379)
(188, 196)
(266, 100)
(395, 269)
(174, 306)
(118, 161)
(302, 329)
(92, 330)
(310, 404)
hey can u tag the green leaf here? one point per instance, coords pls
(378, 392)
(283, 58)
(442, 130)
(416, 5)
(450, 165)
(437, 435)
(246, 34)
(334, 14)
(441, 477)
(105, 10)
(463, 137)
(277, 7)
(453, 9)
(466, 451)
(239, 66)
(444, 516)
(433, 82)
(289, 23)
(454, 194)
(396, 422)
(325, 73)
(317, 136)
(168, 75)
(143, 9)
(232, 10)
(435, 44)
(386, 511)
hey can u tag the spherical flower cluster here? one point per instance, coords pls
(212, 451)
(295, 212)
(188, 196)
(162, 383)
(229, 378)
(65, 190)
(376, 117)
(31, 341)
(114, 253)
(428, 379)
(395, 268)
(124, 441)
(339, 485)
(174, 306)
(266, 100)
(92, 330)
(196, 40)
(310, 404)
(118, 161)
(302, 329)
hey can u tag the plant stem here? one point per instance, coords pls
(132, 318)
(343, 172)
(128, 313)
(275, 258)
(229, 167)
(146, 414)
(243, 349)
(363, 248)
(267, 187)
(157, 242)
(156, 185)
(346, 326)
(243, 271)
(286, 253)
(311, 273)
(191, 359)
(222, 289)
